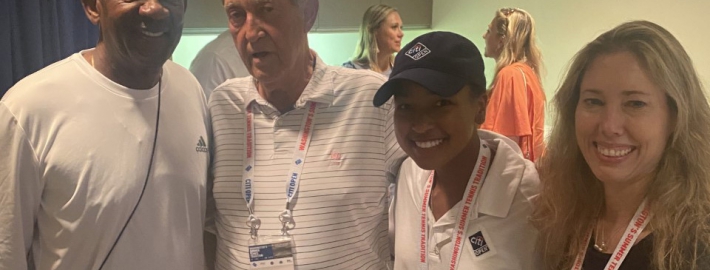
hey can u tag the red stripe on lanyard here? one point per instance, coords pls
(250, 132)
(474, 185)
(307, 128)
(424, 228)
(632, 233)
(248, 173)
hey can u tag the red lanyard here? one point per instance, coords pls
(473, 188)
(632, 233)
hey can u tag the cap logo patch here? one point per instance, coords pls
(418, 51)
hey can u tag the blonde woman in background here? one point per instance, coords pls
(627, 170)
(380, 37)
(516, 105)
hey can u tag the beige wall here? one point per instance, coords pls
(565, 26)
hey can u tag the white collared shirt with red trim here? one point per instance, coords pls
(499, 235)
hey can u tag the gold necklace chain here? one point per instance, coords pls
(599, 245)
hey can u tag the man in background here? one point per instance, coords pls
(217, 62)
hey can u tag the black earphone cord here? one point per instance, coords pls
(147, 176)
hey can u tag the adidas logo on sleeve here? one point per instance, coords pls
(201, 145)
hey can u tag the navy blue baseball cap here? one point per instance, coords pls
(442, 62)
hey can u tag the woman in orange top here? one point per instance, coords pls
(516, 105)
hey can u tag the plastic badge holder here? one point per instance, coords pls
(271, 252)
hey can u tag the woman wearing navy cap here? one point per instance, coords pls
(464, 195)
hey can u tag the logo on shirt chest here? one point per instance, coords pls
(336, 158)
(201, 145)
(478, 243)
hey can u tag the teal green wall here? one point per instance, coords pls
(333, 48)
(188, 47)
(563, 28)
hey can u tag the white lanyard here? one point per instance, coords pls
(473, 188)
(632, 233)
(294, 174)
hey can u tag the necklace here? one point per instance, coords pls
(599, 245)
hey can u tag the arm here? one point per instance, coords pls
(394, 156)
(20, 193)
(210, 242)
(210, 230)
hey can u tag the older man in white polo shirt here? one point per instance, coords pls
(302, 158)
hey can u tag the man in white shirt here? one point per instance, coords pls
(217, 62)
(300, 150)
(105, 153)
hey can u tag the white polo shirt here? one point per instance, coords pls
(499, 230)
(341, 207)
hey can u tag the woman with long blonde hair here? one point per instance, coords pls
(517, 101)
(626, 175)
(380, 37)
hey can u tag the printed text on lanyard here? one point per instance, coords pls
(632, 233)
(472, 190)
(294, 175)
